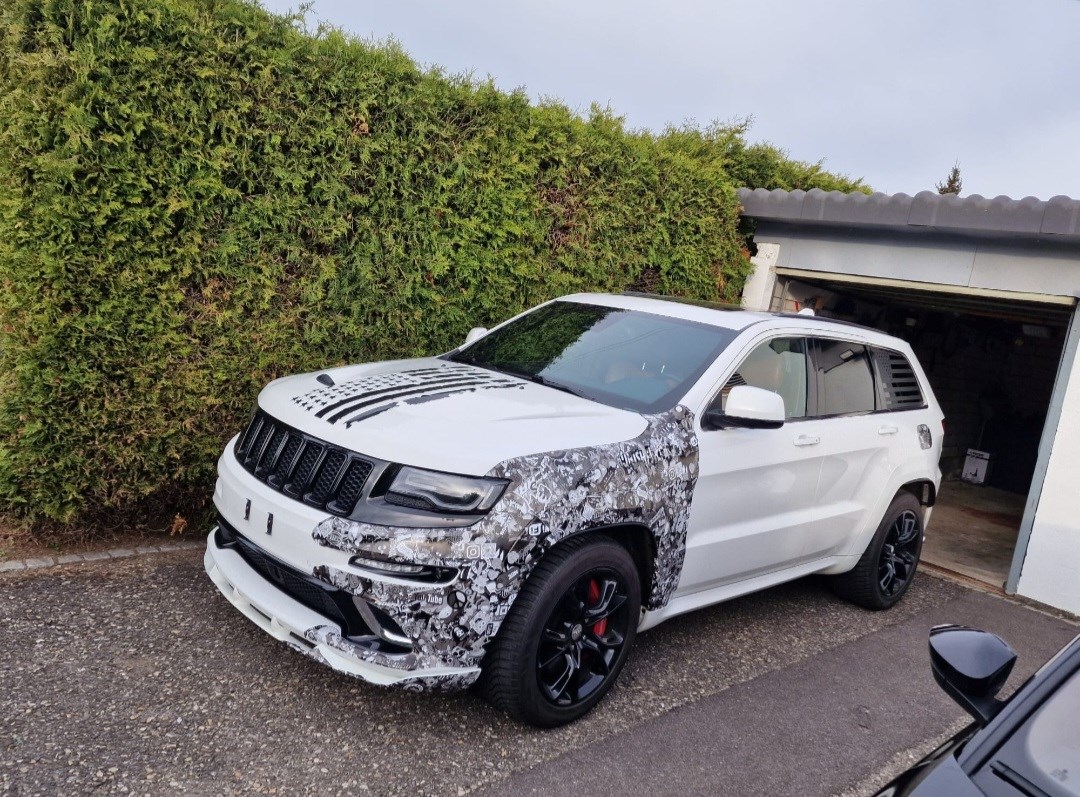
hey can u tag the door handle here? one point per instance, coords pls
(807, 440)
(888, 430)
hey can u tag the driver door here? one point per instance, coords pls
(755, 497)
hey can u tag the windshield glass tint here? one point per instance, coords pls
(1053, 742)
(623, 358)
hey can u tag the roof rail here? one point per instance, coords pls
(681, 300)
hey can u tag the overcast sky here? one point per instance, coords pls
(891, 92)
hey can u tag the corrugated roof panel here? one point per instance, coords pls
(1025, 217)
(1062, 217)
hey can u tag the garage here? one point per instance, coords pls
(992, 364)
(985, 292)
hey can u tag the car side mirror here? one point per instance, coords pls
(747, 408)
(971, 666)
(475, 334)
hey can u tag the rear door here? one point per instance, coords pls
(860, 444)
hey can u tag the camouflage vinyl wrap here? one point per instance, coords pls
(647, 480)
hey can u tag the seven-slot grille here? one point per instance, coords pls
(302, 467)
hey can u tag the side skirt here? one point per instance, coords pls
(681, 604)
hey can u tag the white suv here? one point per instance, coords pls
(518, 509)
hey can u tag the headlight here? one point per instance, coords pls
(445, 492)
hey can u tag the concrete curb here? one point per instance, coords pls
(42, 562)
(936, 571)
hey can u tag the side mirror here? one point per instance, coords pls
(971, 666)
(475, 334)
(748, 408)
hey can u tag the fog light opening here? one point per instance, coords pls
(382, 624)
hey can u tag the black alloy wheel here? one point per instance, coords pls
(899, 554)
(583, 638)
(568, 633)
(887, 567)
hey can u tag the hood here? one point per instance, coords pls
(442, 415)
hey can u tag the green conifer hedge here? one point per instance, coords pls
(197, 196)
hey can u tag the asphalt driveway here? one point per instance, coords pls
(136, 677)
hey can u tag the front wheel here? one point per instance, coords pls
(567, 635)
(887, 567)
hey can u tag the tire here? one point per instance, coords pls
(887, 567)
(567, 636)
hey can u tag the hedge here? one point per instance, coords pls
(197, 196)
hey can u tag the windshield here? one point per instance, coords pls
(623, 358)
(1041, 757)
(1053, 739)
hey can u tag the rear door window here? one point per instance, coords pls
(845, 378)
(898, 387)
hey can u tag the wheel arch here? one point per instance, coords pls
(924, 490)
(640, 543)
(638, 540)
(913, 483)
(501, 675)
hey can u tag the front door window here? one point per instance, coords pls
(778, 365)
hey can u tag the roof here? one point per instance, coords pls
(1056, 219)
(713, 313)
(725, 316)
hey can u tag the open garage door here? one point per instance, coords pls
(993, 359)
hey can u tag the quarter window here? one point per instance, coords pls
(778, 365)
(845, 381)
(897, 381)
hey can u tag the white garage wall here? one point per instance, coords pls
(1051, 569)
(758, 290)
(1038, 268)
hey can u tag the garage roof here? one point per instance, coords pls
(1055, 219)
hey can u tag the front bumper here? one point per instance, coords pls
(315, 635)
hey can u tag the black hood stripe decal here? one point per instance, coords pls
(435, 380)
(424, 398)
(363, 416)
(319, 397)
(429, 388)
(331, 403)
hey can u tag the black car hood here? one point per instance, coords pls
(938, 774)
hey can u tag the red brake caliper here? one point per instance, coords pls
(599, 628)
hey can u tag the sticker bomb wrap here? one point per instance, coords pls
(648, 480)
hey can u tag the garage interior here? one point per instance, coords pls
(992, 363)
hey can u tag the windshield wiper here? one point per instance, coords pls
(543, 380)
(537, 378)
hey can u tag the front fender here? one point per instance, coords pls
(647, 480)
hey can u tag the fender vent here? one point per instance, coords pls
(302, 467)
